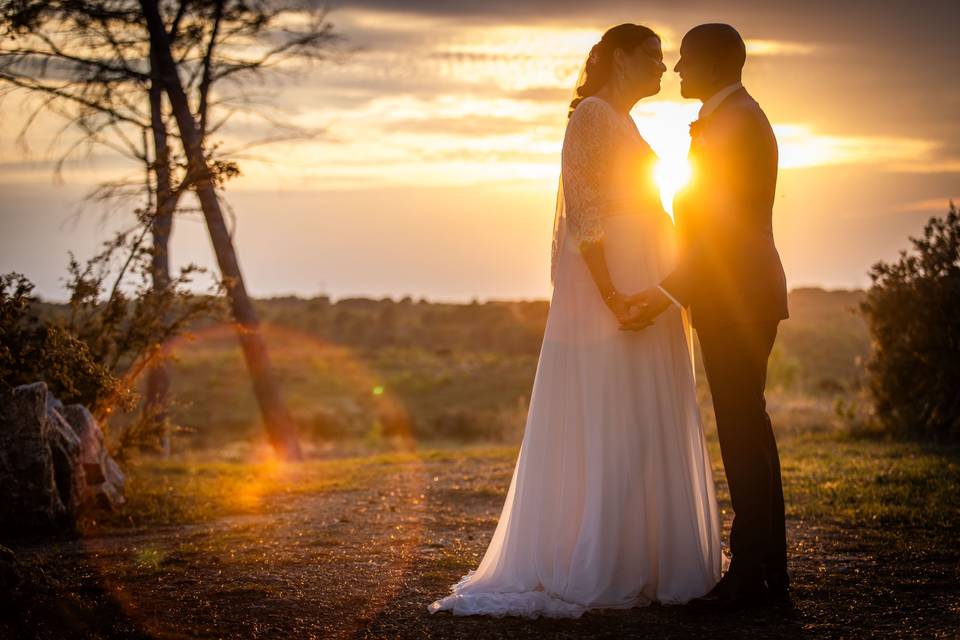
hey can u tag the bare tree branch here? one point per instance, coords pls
(206, 81)
(29, 84)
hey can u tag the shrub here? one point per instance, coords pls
(32, 350)
(118, 313)
(913, 310)
(94, 350)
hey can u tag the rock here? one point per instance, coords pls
(31, 500)
(94, 473)
(70, 477)
(113, 473)
(106, 496)
(105, 480)
(53, 463)
(87, 430)
(10, 575)
(54, 403)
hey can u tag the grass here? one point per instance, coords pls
(358, 546)
(879, 483)
(181, 492)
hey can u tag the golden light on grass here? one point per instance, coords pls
(287, 515)
(267, 475)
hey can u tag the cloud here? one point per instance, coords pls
(466, 126)
(801, 146)
(927, 205)
(778, 48)
(928, 166)
(428, 94)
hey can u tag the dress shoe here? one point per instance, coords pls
(778, 590)
(733, 593)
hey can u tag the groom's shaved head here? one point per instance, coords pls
(711, 57)
(722, 43)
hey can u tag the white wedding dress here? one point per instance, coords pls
(611, 504)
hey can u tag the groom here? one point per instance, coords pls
(730, 277)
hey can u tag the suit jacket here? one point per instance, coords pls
(728, 269)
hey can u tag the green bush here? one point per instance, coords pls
(32, 350)
(913, 310)
(94, 349)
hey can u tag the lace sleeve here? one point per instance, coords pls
(586, 147)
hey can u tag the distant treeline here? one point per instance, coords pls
(514, 328)
(363, 368)
(820, 348)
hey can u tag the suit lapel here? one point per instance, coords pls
(737, 96)
(693, 217)
(701, 128)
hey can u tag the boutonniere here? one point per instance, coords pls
(696, 127)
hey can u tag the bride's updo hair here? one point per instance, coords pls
(599, 64)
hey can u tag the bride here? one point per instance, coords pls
(611, 504)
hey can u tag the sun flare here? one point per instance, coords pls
(665, 126)
(671, 174)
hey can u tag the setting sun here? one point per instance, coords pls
(671, 174)
(665, 125)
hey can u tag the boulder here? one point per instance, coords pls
(53, 403)
(70, 477)
(106, 496)
(87, 430)
(105, 481)
(31, 499)
(53, 463)
(10, 575)
(114, 474)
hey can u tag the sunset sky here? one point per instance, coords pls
(437, 171)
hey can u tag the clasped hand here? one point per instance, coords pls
(638, 311)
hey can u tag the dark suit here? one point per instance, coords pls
(730, 276)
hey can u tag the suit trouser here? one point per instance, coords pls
(735, 359)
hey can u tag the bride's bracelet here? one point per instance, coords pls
(610, 296)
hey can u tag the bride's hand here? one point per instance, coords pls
(622, 308)
(646, 306)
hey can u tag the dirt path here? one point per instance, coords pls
(364, 561)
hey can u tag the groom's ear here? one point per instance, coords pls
(715, 70)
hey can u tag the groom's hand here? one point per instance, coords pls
(648, 305)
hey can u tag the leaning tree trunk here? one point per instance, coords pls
(158, 377)
(280, 425)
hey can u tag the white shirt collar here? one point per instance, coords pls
(714, 101)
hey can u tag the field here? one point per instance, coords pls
(368, 370)
(358, 547)
(411, 415)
